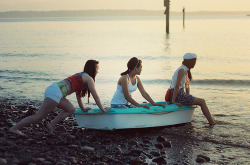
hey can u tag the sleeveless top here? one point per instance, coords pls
(72, 84)
(174, 78)
(118, 97)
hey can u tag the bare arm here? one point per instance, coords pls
(177, 86)
(79, 100)
(146, 95)
(92, 89)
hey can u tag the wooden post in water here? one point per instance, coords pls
(183, 10)
(166, 4)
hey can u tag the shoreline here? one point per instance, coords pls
(112, 13)
(72, 145)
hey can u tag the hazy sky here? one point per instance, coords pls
(176, 5)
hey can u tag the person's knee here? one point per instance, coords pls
(200, 101)
(203, 101)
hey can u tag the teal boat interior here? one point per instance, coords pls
(153, 109)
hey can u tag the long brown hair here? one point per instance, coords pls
(189, 63)
(90, 69)
(132, 63)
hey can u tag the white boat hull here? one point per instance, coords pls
(142, 118)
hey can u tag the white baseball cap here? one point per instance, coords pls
(188, 56)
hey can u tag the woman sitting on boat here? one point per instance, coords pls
(180, 80)
(55, 96)
(127, 84)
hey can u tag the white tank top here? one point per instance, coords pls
(118, 97)
(174, 78)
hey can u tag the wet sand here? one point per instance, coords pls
(73, 145)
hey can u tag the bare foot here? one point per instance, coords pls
(50, 129)
(17, 132)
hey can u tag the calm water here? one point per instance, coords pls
(37, 52)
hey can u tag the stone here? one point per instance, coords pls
(26, 160)
(159, 146)
(133, 142)
(135, 152)
(156, 154)
(146, 141)
(73, 146)
(3, 161)
(202, 159)
(72, 160)
(87, 149)
(167, 144)
(118, 151)
(71, 137)
(61, 162)
(30, 112)
(40, 159)
(161, 139)
(46, 163)
(136, 161)
(160, 160)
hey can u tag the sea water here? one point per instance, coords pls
(37, 52)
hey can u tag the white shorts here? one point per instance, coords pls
(54, 92)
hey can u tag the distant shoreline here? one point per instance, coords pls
(108, 13)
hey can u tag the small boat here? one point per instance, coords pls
(140, 117)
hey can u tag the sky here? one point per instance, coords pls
(175, 5)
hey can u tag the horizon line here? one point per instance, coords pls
(114, 10)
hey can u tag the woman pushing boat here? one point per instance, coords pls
(180, 80)
(127, 84)
(55, 96)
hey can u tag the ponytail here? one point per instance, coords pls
(132, 63)
(126, 72)
(189, 75)
(189, 63)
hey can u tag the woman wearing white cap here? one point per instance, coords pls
(180, 80)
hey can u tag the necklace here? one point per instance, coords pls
(130, 75)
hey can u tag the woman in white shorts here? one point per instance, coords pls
(55, 96)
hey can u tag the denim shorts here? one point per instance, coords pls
(121, 106)
(54, 92)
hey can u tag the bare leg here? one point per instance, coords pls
(202, 103)
(47, 106)
(68, 109)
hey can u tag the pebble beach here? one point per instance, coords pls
(72, 145)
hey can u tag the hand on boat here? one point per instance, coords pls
(86, 109)
(164, 106)
(146, 106)
(106, 109)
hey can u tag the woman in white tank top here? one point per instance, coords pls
(127, 84)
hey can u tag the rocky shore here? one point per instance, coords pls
(73, 145)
